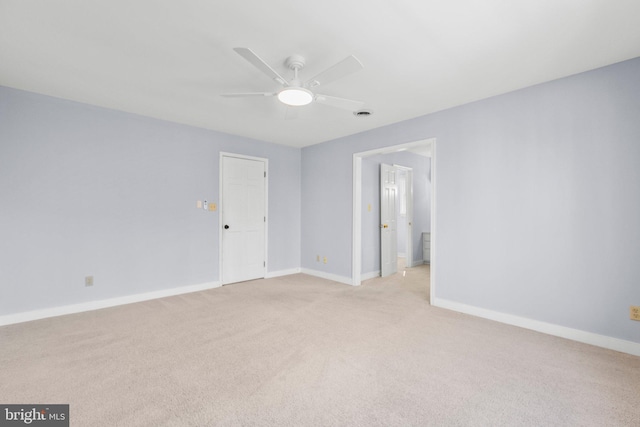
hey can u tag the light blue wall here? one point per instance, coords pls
(538, 200)
(89, 191)
(371, 196)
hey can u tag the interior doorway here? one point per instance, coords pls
(243, 218)
(428, 144)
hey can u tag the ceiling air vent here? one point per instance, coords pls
(362, 113)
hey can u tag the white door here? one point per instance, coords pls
(388, 222)
(243, 219)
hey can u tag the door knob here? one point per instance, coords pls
(226, 227)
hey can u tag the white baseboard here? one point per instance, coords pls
(604, 341)
(369, 275)
(279, 273)
(328, 276)
(105, 303)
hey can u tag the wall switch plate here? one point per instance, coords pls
(88, 281)
(212, 207)
(199, 204)
(634, 313)
(317, 258)
(324, 260)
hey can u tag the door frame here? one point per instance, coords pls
(266, 209)
(356, 241)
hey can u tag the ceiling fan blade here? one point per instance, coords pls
(243, 95)
(257, 62)
(349, 65)
(345, 104)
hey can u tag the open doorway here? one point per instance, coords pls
(361, 210)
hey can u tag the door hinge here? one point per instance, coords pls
(265, 174)
(265, 219)
(264, 263)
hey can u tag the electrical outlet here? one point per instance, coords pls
(324, 260)
(88, 281)
(635, 312)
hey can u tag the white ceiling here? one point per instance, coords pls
(172, 59)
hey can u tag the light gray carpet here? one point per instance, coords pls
(302, 351)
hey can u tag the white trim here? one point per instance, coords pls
(591, 338)
(328, 276)
(279, 273)
(356, 242)
(433, 229)
(28, 316)
(266, 209)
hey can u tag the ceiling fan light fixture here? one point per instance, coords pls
(295, 96)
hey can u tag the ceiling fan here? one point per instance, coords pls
(296, 92)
